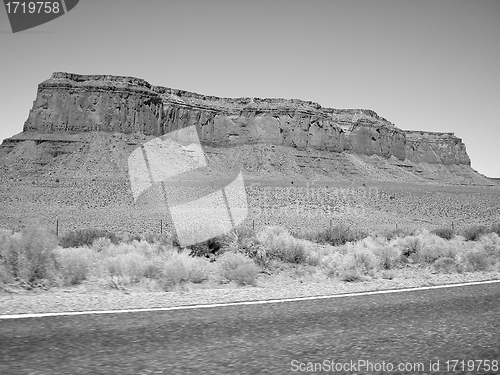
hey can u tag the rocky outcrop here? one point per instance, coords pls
(74, 103)
(443, 148)
(77, 103)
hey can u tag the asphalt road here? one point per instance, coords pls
(409, 329)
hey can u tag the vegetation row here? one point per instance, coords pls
(35, 257)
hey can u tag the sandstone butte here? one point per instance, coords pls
(70, 161)
(82, 103)
(69, 104)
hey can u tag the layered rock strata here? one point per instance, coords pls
(83, 103)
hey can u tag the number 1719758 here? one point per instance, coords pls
(472, 365)
(33, 7)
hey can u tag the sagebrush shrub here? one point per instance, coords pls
(424, 247)
(211, 247)
(252, 248)
(338, 235)
(173, 273)
(446, 265)
(473, 233)
(445, 233)
(476, 260)
(101, 244)
(28, 256)
(388, 256)
(199, 269)
(361, 255)
(388, 275)
(85, 237)
(237, 267)
(432, 247)
(5, 276)
(332, 263)
(152, 271)
(281, 245)
(74, 264)
(150, 250)
(149, 237)
(274, 231)
(313, 259)
(490, 243)
(122, 262)
(126, 237)
(409, 245)
(397, 233)
(364, 260)
(495, 228)
(243, 234)
(181, 268)
(351, 275)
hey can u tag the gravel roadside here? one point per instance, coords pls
(88, 297)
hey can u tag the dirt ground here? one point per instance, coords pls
(80, 181)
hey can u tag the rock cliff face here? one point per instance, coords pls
(444, 148)
(76, 103)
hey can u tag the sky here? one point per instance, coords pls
(423, 65)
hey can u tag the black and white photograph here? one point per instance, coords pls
(249, 187)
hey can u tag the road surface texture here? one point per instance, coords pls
(412, 329)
